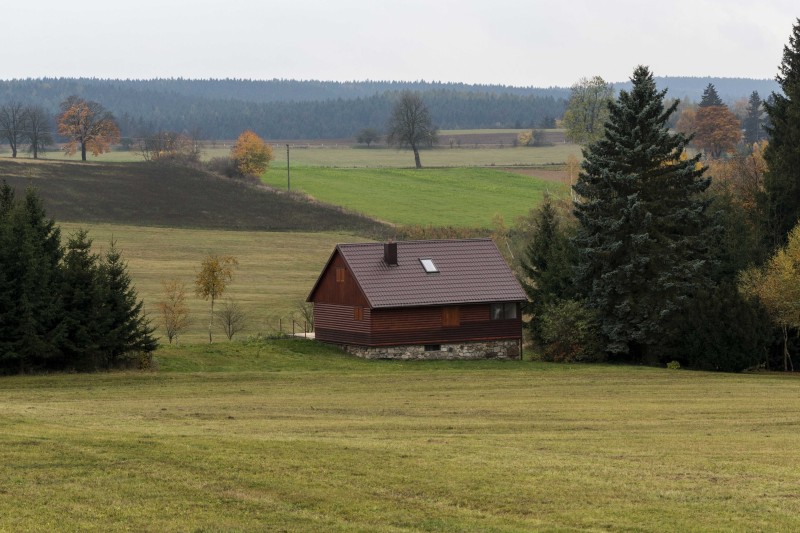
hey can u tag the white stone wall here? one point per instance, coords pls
(503, 349)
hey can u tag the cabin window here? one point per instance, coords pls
(451, 317)
(358, 313)
(504, 311)
(433, 347)
(339, 274)
(429, 266)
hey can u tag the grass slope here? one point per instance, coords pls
(293, 436)
(145, 194)
(468, 197)
(276, 270)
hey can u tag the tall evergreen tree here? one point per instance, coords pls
(780, 203)
(643, 233)
(753, 126)
(549, 259)
(84, 317)
(128, 330)
(30, 307)
(710, 97)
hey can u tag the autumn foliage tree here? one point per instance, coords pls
(87, 126)
(251, 154)
(173, 308)
(216, 272)
(777, 286)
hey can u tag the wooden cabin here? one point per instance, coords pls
(447, 299)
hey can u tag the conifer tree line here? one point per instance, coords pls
(63, 307)
(664, 257)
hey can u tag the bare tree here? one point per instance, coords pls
(410, 125)
(305, 312)
(12, 124)
(169, 147)
(231, 318)
(173, 308)
(37, 132)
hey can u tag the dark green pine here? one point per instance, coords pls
(780, 203)
(710, 97)
(127, 329)
(753, 125)
(643, 236)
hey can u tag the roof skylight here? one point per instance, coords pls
(428, 265)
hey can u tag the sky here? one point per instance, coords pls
(538, 43)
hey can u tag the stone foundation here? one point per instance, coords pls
(504, 349)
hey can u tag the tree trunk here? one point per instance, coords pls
(416, 156)
(13, 150)
(83, 158)
(35, 150)
(211, 320)
(785, 350)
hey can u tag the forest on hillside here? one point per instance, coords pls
(292, 109)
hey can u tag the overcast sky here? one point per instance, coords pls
(512, 42)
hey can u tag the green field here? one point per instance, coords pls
(276, 270)
(468, 197)
(289, 436)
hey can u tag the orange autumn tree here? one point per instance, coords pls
(717, 130)
(251, 154)
(86, 125)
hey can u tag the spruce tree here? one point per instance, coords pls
(710, 97)
(30, 307)
(780, 204)
(643, 233)
(85, 320)
(753, 127)
(127, 329)
(548, 262)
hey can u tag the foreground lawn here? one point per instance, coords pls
(291, 436)
(467, 197)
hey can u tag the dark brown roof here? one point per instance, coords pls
(469, 271)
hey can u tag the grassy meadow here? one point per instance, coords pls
(468, 197)
(348, 155)
(293, 436)
(276, 269)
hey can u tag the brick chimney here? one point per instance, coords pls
(390, 253)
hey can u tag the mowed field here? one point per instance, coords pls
(467, 197)
(275, 274)
(292, 436)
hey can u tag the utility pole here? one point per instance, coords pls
(288, 176)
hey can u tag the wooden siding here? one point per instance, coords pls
(331, 291)
(424, 325)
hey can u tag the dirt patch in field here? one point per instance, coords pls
(548, 175)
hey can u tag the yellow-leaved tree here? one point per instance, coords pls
(251, 154)
(86, 125)
(216, 271)
(777, 286)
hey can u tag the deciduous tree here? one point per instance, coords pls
(231, 318)
(368, 136)
(587, 110)
(38, 131)
(87, 126)
(13, 123)
(717, 130)
(643, 233)
(173, 310)
(410, 125)
(780, 203)
(251, 154)
(777, 286)
(216, 272)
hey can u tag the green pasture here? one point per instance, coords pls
(292, 436)
(467, 197)
(276, 270)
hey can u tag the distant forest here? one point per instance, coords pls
(291, 109)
